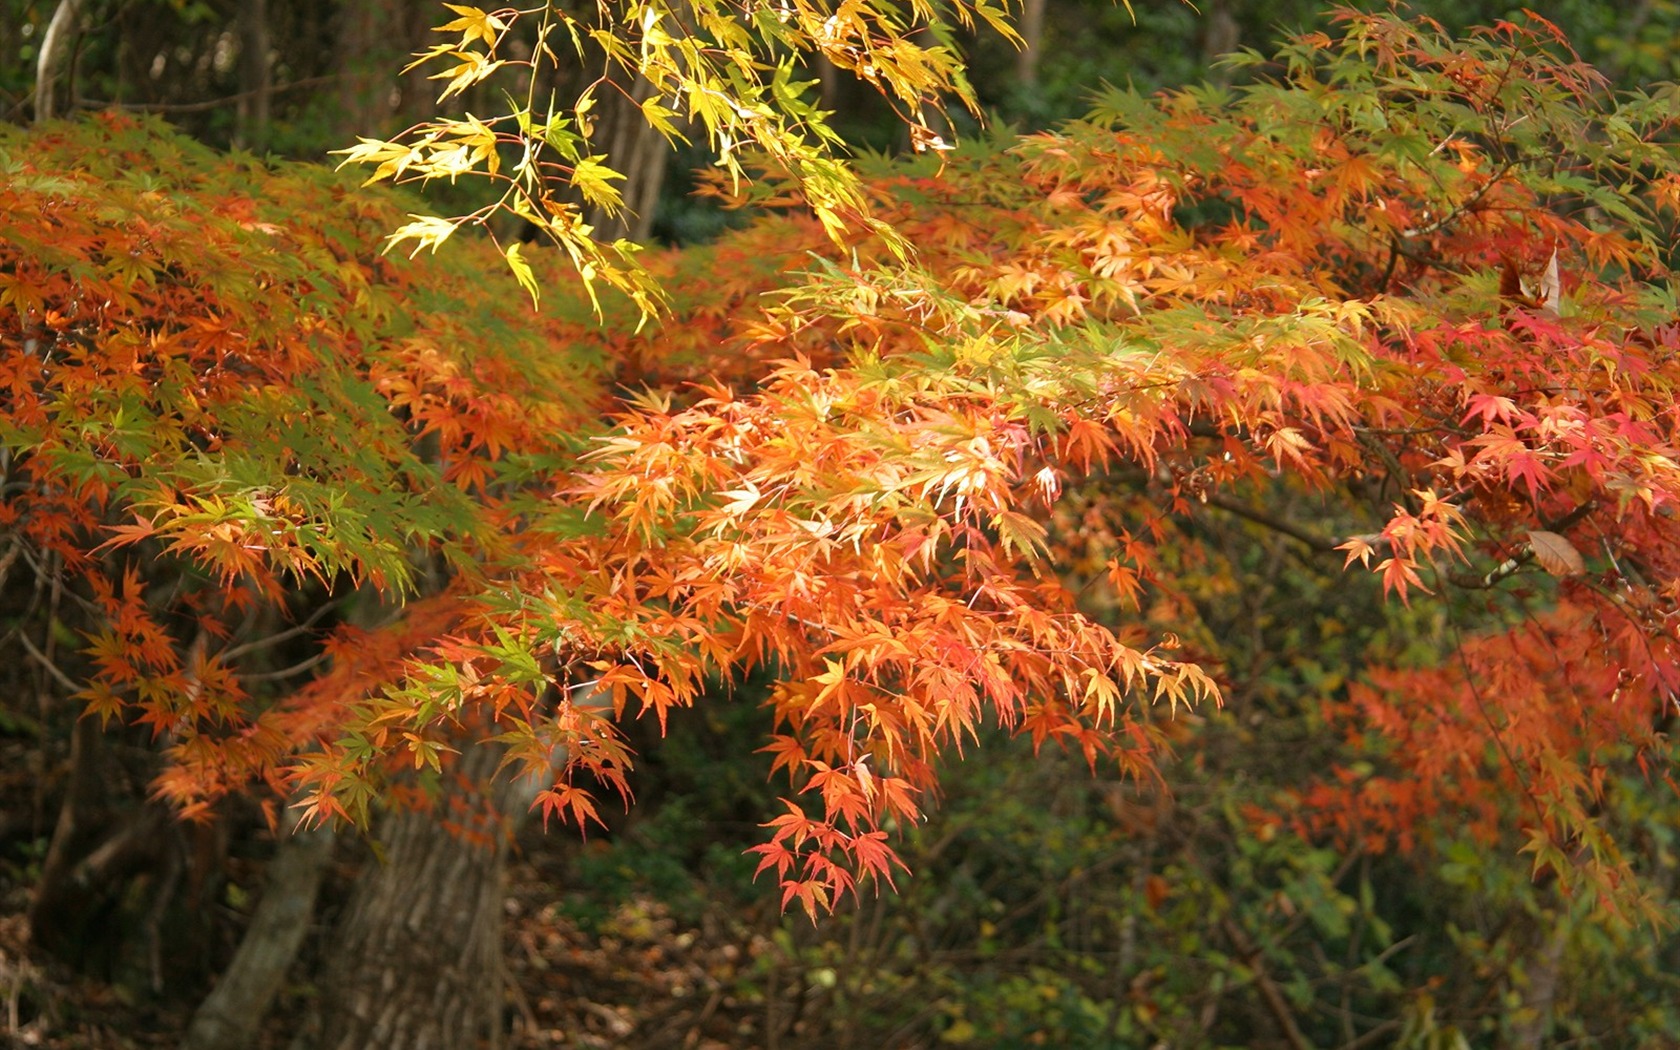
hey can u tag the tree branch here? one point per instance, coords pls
(1509, 566)
(46, 662)
(1322, 544)
(212, 103)
(1276, 1004)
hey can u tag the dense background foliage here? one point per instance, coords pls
(253, 466)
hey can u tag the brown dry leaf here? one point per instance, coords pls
(1551, 290)
(1555, 553)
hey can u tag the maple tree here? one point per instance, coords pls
(1420, 278)
(1417, 284)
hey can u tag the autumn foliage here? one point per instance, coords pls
(1417, 285)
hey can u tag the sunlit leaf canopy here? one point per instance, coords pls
(1419, 283)
(737, 75)
(1422, 279)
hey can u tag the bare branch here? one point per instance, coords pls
(46, 663)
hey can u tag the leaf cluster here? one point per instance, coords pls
(725, 72)
(1404, 304)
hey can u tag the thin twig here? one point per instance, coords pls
(1276, 1004)
(236, 651)
(1510, 565)
(1462, 207)
(1371, 1036)
(1324, 544)
(46, 663)
(209, 104)
(286, 672)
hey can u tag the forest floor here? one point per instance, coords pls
(635, 978)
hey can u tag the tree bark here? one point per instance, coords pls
(638, 151)
(55, 54)
(1534, 1020)
(229, 1018)
(375, 39)
(256, 82)
(416, 960)
(61, 906)
(1221, 36)
(1032, 42)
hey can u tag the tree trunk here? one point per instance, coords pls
(1032, 42)
(56, 45)
(230, 1016)
(1221, 36)
(641, 153)
(416, 961)
(62, 907)
(376, 39)
(1534, 1020)
(256, 84)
